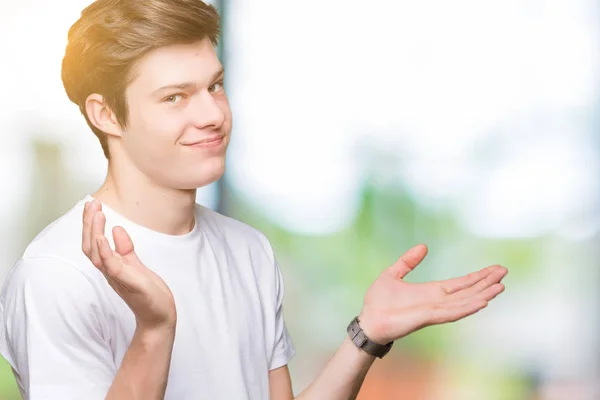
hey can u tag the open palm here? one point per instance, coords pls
(146, 293)
(393, 308)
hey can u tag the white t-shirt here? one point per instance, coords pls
(65, 331)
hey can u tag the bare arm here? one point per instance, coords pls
(343, 375)
(145, 368)
(280, 384)
(341, 378)
(144, 372)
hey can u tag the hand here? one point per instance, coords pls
(146, 294)
(394, 308)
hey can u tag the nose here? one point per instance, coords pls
(208, 113)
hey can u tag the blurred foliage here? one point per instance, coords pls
(8, 385)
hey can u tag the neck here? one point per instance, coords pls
(132, 194)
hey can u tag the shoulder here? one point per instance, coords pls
(44, 295)
(53, 265)
(58, 246)
(45, 277)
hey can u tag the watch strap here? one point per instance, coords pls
(363, 342)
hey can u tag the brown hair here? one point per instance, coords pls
(111, 36)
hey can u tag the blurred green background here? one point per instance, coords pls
(360, 130)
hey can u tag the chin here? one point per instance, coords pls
(191, 175)
(205, 177)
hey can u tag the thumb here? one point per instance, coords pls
(407, 262)
(123, 242)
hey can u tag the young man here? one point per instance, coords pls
(138, 292)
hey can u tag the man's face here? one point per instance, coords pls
(179, 117)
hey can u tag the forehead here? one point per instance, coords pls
(194, 62)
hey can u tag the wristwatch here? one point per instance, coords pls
(363, 342)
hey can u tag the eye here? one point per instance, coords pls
(217, 87)
(173, 99)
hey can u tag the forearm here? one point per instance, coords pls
(342, 377)
(145, 368)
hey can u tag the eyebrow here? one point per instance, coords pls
(189, 85)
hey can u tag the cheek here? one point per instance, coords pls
(152, 127)
(151, 139)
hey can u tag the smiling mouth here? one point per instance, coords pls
(206, 143)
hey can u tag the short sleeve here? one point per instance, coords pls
(283, 349)
(51, 332)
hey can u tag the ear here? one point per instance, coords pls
(101, 116)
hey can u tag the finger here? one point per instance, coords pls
(97, 231)
(118, 272)
(124, 246)
(88, 216)
(491, 292)
(407, 262)
(460, 310)
(493, 278)
(486, 295)
(111, 264)
(451, 286)
(123, 242)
